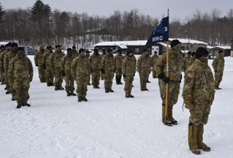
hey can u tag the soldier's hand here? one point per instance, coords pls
(2, 70)
(165, 79)
(189, 106)
(90, 70)
(44, 66)
(63, 73)
(215, 71)
(180, 78)
(36, 64)
(124, 76)
(102, 70)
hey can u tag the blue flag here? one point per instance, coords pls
(160, 33)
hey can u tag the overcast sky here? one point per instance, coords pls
(179, 9)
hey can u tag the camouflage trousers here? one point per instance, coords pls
(128, 83)
(21, 88)
(88, 78)
(199, 115)
(58, 77)
(69, 81)
(218, 78)
(41, 72)
(11, 87)
(2, 78)
(95, 78)
(6, 80)
(108, 77)
(102, 75)
(49, 75)
(118, 71)
(143, 79)
(154, 73)
(81, 81)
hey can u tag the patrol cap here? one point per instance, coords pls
(201, 52)
(220, 51)
(8, 44)
(174, 43)
(58, 46)
(103, 50)
(144, 50)
(109, 50)
(87, 51)
(119, 50)
(2, 46)
(96, 50)
(14, 45)
(20, 49)
(129, 51)
(81, 50)
(49, 47)
(73, 47)
(69, 49)
(189, 52)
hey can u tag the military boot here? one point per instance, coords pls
(13, 99)
(26, 104)
(120, 80)
(167, 122)
(19, 105)
(110, 90)
(127, 95)
(79, 99)
(170, 115)
(106, 90)
(84, 98)
(72, 93)
(60, 88)
(7, 92)
(56, 88)
(130, 95)
(68, 93)
(117, 80)
(192, 139)
(200, 143)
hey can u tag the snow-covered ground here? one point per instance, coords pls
(109, 125)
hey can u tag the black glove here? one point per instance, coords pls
(90, 70)
(63, 73)
(164, 78)
(124, 76)
(2, 69)
(133, 74)
(44, 66)
(102, 70)
(180, 78)
(215, 71)
(114, 69)
(36, 64)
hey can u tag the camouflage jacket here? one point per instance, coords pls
(128, 66)
(46, 57)
(75, 54)
(55, 59)
(2, 55)
(143, 64)
(218, 63)
(187, 62)
(118, 60)
(153, 59)
(80, 66)
(7, 58)
(20, 68)
(95, 62)
(38, 58)
(199, 83)
(108, 63)
(175, 65)
(66, 63)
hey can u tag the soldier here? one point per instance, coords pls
(218, 65)
(88, 55)
(38, 59)
(107, 68)
(198, 95)
(102, 55)
(95, 64)
(66, 71)
(9, 55)
(21, 73)
(74, 52)
(55, 64)
(153, 64)
(187, 61)
(128, 70)
(46, 66)
(175, 67)
(80, 70)
(118, 61)
(143, 67)
(3, 51)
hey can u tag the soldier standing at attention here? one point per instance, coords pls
(66, 71)
(143, 67)
(102, 55)
(80, 70)
(153, 64)
(95, 64)
(107, 68)
(118, 61)
(128, 70)
(38, 59)
(198, 95)
(46, 66)
(55, 63)
(175, 66)
(218, 65)
(87, 56)
(21, 73)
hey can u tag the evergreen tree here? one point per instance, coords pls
(1, 12)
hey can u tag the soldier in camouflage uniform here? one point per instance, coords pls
(153, 64)
(89, 76)
(80, 70)
(143, 67)
(198, 95)
(187, 61)
(21, 73)
(9, 55)
(74, 52)
(102, 55)
(38, 59)
(128, 70)
(175, 66)
(218, 65)
(66, 71)
(46, 66)
(107, 68)
(95, 63)
(118, 61)
(3, 51)
(55, 64)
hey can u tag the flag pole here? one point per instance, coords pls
(167, 74)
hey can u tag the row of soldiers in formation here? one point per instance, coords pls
(198, 91)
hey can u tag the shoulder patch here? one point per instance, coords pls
(190, 75)
(161, 56)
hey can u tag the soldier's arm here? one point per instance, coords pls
(1, 60)
(30, 70)
(214, 63)
(36, 58)
(73, 66)
(123, 67)
(5, 62)
(139, 65)
(160, 63)
(51, 63)
(63, 61)
(11, 71)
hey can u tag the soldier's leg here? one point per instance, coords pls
(192, 138)
(78, 89)
(111, 76)
(40, 71)
(84, 88)
(67, 86)
(25, 94)
(57, 76)
(93, 78)
(127, 86)
(130, 86)
(106, 82)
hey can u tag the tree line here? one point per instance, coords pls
(39, 25)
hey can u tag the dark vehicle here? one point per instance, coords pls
(123, 51)
(30, 51)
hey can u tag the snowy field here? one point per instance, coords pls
(109, 125)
